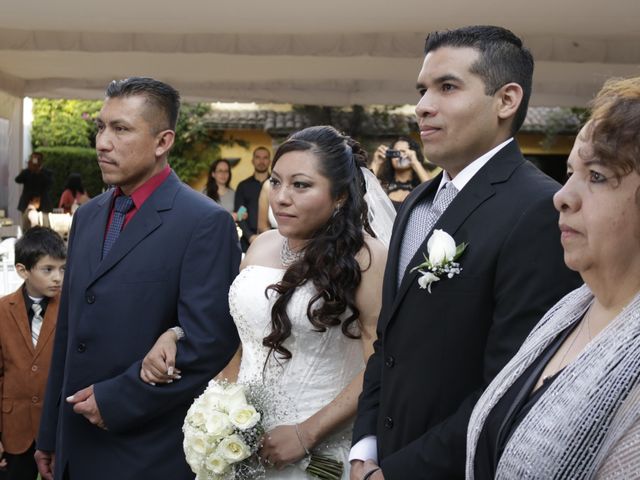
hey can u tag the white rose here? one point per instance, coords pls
(427, 279)
(441, 247)
(223, 397)
(196, 415)
(218, 424)
(197, 441)
(216, 464)
(244, 416)
(234, 396)
(233, 449)
(193, 459)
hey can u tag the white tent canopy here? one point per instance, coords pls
(330, 52)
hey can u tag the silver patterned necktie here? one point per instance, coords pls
(36, 322)
(421, 220)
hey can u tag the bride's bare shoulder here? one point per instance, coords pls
(265, 250)
(374, 255)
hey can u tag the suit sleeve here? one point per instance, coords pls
(207, 270)
(50, 410)
(23, 176)
(368, 402)
(530, 278)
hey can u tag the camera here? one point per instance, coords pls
(393, 153)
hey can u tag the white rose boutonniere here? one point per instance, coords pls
(441, 260)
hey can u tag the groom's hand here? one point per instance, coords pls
(357, 470)
(371, 466)
(84, 403)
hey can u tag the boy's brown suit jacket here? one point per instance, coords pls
(23, 370)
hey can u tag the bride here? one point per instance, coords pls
(307, 299)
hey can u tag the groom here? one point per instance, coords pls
(145, 256)
(436, 351)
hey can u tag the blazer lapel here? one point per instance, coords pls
(428, 189)
(145, 221)
(98, 223)
(19, 314)
(477, 191)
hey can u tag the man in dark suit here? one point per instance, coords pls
(437, 349)
(146, 256)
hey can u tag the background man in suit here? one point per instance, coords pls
(437, 351)
(247, 195)
(27, 323)
(172, 264)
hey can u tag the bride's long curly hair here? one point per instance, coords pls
(329, 258)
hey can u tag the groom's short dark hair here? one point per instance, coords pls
(503, 59)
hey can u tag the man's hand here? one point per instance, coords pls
(84, 403)
(371, 465)
(357, 470)
(46, 462)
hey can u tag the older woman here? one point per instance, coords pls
(568, 404)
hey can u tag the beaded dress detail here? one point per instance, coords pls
(322, 363)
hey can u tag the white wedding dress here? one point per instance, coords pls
(322, 364)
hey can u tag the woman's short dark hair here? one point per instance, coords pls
(212, 186)
(614, 125)
(387, 173)
(74, 183)
(329, 257)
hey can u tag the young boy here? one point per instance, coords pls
(27, 325)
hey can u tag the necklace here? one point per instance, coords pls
(287, 256)
(586, 319)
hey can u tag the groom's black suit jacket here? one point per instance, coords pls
(437, 351)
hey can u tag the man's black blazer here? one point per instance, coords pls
(437, 351)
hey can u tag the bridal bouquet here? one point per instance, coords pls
(222, 431)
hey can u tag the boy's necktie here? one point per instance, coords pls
(36, 322)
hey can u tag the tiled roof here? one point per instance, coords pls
(539, 119)
(562, 120)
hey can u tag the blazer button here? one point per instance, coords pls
(390, 361)
(388, 423)
(35, 399)
(90, 298)
(81, 348)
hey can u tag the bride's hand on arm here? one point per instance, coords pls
(158, 366)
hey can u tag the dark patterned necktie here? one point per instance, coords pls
(122, 205)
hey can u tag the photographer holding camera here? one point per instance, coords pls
(400, 168)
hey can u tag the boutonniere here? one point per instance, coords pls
(443, 253)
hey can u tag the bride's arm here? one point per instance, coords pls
(282, 445)
(230, 372)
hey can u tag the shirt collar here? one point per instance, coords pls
(468, 172)
(144, 191)
(29, 300)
